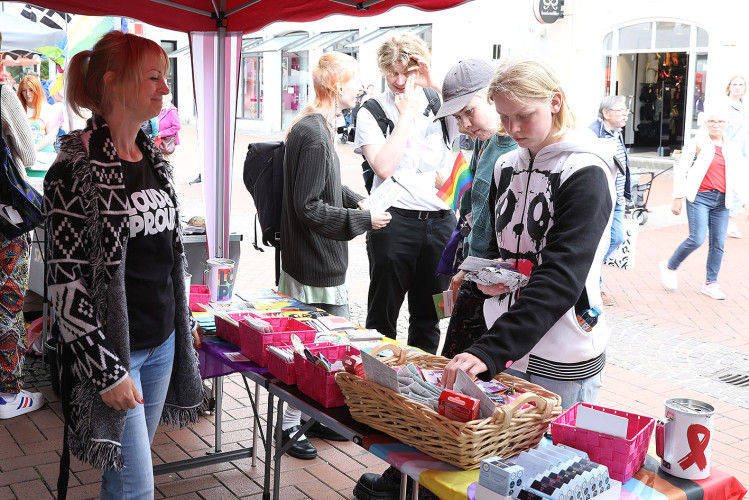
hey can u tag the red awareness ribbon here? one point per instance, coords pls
(698, 437)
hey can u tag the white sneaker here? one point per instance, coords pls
(669, 278)
(712, 290)
(23, 402)
(733, 230)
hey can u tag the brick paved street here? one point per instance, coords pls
(663, 345)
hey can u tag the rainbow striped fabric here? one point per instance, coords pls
(457, 184)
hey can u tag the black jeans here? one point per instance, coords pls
(403, 257)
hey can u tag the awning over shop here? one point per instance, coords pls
(391, 30)
(323, 40)
(279, 42)
(248, 44)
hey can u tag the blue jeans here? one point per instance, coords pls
(151, 370)
(617, 231)
(571, 391)
(707, 212)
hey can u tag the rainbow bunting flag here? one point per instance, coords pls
(457, 184)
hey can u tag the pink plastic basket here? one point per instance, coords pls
(254, 343)
(316, 382)
(622, 456)
(226, 330)
(285, 371)
(199, 294)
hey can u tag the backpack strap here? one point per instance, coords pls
(375, 108)
(434, 106)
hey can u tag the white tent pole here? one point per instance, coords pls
(219, 137)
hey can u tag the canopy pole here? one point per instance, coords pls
(219, 136)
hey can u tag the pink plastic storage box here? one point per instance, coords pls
(254, 343)
(622, 456)
(316, 382)
(199, 294)
(285, 371)
(226, 330)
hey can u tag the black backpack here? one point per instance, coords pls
(263, 178)
(387, 125)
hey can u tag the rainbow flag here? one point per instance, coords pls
(457, 184)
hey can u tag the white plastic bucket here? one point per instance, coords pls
(220, 279)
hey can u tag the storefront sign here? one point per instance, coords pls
(548, 11)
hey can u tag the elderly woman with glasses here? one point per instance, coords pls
(709, 173)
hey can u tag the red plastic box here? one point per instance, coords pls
(226, 330)
(286, 371)
(254, 343)
(199, 294)
(622, 456)
(316, 382)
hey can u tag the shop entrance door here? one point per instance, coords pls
(658, 83)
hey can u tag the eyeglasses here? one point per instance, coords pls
(626, 111)
(713, 123)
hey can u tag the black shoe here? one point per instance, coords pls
(321, 431)
(197, 180)
(377, 487)
(302, 449)
(386, 487)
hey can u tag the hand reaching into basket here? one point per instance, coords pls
(463, 361)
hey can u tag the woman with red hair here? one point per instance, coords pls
(34, 102)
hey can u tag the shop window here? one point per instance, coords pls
(295, 81)
(637, 36)
(670, 35)
(252, 88)
(703, 40)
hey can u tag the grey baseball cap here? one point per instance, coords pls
(461, 84)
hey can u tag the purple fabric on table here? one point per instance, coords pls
(213, 362)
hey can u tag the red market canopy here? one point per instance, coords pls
(237, 15)
(216, 28)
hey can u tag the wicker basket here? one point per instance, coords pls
(509, 431)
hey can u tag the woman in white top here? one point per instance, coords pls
(737, 132)
(709, 174)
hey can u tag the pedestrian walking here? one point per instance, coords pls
(737, 132)
(711, 171)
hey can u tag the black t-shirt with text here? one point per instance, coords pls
(150, 257)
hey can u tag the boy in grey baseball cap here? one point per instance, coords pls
(461, 83)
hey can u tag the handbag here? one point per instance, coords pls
(20, 204)
(453, 256)
(624, 256)
(167, 145)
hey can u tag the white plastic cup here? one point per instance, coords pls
(188, 280)
(220, 279)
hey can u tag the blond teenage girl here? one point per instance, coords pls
(552, 200)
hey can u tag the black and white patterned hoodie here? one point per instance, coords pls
(553, 217)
